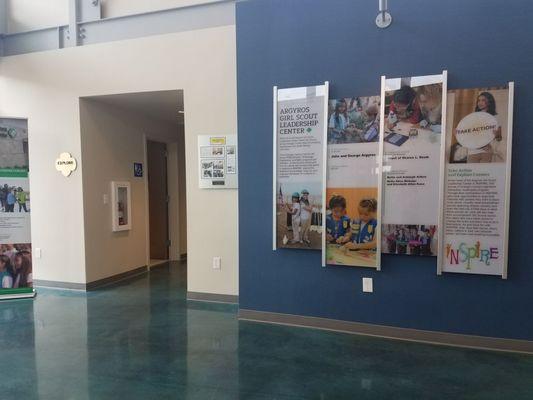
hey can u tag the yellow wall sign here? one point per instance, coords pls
(218, 140)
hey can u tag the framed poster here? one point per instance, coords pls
(352, 220)
(477, 181)
(299, 170)
(217, 157)
(413, 160)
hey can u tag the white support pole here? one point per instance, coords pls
(379, 170)
(324, 170)
(442, 173)
(274, 168)
(507, 199)
(3, 17)
(73, 34)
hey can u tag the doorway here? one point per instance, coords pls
(156, 157)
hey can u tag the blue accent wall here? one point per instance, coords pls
(306, 42)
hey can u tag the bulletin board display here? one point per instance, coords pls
(217, 157)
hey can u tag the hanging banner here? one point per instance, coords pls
(351, 225)
(413, 164)
(478, 168)
(15, 240)
(299, 167)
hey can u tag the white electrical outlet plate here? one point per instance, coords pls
(216, 262)
(37, 252)
(367, 285)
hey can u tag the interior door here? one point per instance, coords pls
(158, 199)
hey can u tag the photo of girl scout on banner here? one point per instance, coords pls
(298, 164)
(351, 227)
(300, 216)
(412, 164)
(352, 182)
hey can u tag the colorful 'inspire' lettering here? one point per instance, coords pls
(465, 254)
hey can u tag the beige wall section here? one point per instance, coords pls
(117, 8)
(45, 87)
(111, 141)
(27, 15)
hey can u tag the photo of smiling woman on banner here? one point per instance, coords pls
(477, 184)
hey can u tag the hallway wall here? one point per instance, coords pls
(45, 88)
(111, 141)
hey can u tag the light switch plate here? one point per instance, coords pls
(368, 286)
(105, 198)
(37, 252)
(216, 262)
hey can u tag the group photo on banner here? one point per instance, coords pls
(351, 223)
(299, 141)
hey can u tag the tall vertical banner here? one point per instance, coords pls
(478, 170)
(413, 161)
(15, 239)
(351, 225)
(299, 166)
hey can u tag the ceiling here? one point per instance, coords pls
(161, 105)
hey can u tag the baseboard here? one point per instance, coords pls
(91, 285)
(59, 285)
(390, 332)
(213, 297)
(116, 278)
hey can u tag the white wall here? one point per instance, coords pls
(27, 15)
(117, 8)
(45, 88)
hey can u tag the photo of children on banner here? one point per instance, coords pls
(353, 120)
(412, 111)
(415, 240)
(15, 266)
(351, 240)
(13, 199)
(303, 221)
(479, 126)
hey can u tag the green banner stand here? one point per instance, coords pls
(21, 293)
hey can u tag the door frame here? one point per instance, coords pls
(146, 169)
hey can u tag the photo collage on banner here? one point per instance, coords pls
(15, 240)
(478, 150)
(412, 161)
(351, 223)
(299, 145)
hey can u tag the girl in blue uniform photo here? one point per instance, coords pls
(363, 229)
(337, 223)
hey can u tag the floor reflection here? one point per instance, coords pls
(142, 340)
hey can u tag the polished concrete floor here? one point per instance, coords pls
(142, 340)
